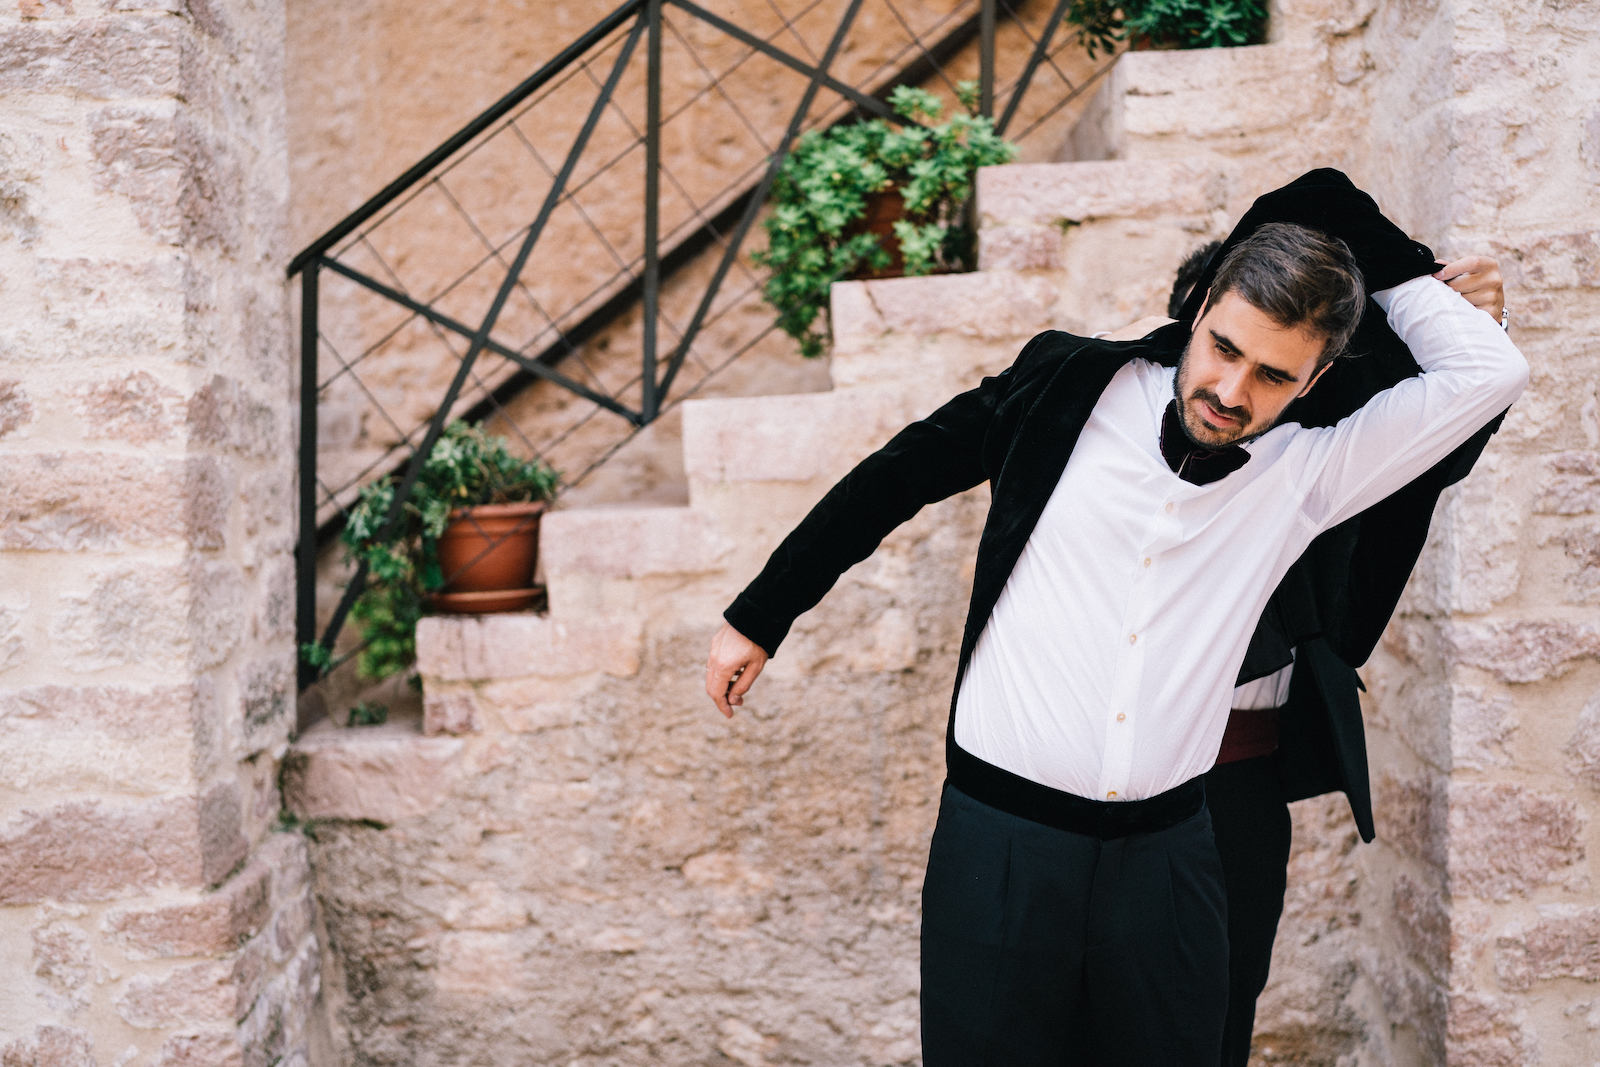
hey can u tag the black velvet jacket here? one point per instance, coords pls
(1017, 429)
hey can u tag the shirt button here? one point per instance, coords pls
(1121, 715)
(1133, 639)
(1111, 793)
(1169, 506)
(1147, 561)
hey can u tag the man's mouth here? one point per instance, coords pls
(1214, 416)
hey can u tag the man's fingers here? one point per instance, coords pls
(1478, 279)
(742, 680)
(731, 668)
(717, 689)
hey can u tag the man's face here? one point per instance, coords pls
(1240, 370)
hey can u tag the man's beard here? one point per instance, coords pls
(1206, 395)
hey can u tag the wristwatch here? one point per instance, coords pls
(1505, 319)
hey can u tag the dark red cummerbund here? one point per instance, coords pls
(1251, 732)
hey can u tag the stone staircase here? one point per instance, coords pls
(570, 818)
(1076, 246)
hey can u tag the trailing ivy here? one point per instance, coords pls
(1101, 24)
(467, 467)
(820, 196)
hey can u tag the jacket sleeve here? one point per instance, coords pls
(933, 458)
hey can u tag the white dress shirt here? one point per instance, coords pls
(1107, 667)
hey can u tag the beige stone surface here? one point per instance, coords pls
(149, 915)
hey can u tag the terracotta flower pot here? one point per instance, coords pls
(883, 211)
(487, 555)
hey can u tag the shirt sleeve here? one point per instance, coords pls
(1470, 373)
(933, 458)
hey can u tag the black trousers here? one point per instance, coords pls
(1251, 823)
(1044, 946)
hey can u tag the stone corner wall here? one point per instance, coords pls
(148, 911)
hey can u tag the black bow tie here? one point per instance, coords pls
(1194, 463)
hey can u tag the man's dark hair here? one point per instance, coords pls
(1189, 271)
(1299, 278)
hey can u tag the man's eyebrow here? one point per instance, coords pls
(1226, 342)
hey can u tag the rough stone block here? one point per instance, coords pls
(266, 697)
(182, 186)
(209, 1048)
(119, 56)
(201, 992)
(384, 773)
(1481, 724)
(1507, 839)
(151, 615)
(630, 542)
(1018, 248)
(50, 1046)
(1564, 942)
(147, 736)
(987, 304)
(1424, 923)
(63, 960)
(1584, 745)
(1571, 484)
(1522, 650)
(1561, 260)
(454, 712)
(791, 438)
(1056, 194)
(208, 925)
(223, 414)
(135, 407)
(70, 502)
(1484, 1031)
(1173, 94)
(482, 647)
(92, 850)
(1412, 815)
(16, 410)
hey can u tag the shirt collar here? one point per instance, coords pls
(1194, 463)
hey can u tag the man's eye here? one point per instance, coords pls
(1273, 377)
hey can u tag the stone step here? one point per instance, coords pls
(634, 564)
(982, 304)
(1221, 101)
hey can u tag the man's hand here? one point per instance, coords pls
(733, 666)
(1135, 330)
(1478, 279)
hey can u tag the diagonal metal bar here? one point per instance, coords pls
(986, 59)
(651, 303)
(462, 136)
(1040, 51)
(736, 239)
(767, 48)
(532, 366)
(305, 561)
(481, 336)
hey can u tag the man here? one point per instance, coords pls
(1247, 792)
(1073, 907)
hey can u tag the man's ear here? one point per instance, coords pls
(1198, 315)
(1319, 373)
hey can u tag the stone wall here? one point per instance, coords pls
(1482, 890)
(1465, 935)
(149, 912)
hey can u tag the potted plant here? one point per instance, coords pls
(466, 539)
(820, 230)
(1167, 23)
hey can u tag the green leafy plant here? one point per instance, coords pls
(820, 196)
(466, 468)
(1168, 23)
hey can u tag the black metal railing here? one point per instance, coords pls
(428, 302)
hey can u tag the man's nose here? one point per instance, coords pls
(1231, 387)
